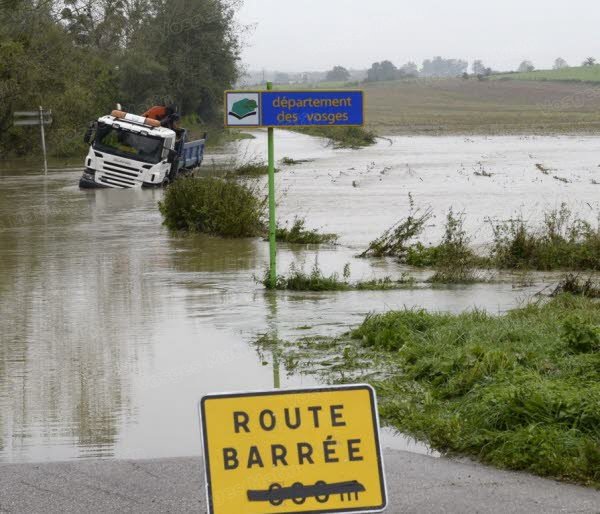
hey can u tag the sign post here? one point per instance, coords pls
(291, 451)
(292, 108)
(272, 217)
(32, 118)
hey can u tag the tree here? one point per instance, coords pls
(526, 66)
(84, 56)
(440, 67)
(338, 74)
(478, 67)
(590, 61)
(410, 69)
(560, 63)
(384, 70)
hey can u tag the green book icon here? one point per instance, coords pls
(243, 108)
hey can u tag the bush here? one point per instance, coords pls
(397, 240)
(564, 241)
(298, 234)
(214, 206)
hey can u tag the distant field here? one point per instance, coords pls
(580, 74)
(492, 107)
(457, 106)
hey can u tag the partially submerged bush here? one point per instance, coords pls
(299, 280)
(214, 206)
(452, 259)
(564, 241)
(398, 239)
(574, 284)
(316, 280)
(251, 169)
(299, 234)
(342, 137)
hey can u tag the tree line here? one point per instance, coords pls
(80, 57)
(436, 67)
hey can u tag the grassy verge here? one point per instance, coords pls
(297, 233)
(518, 391)
(214, 206)
(342, 137)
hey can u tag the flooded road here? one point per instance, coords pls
(111, 328)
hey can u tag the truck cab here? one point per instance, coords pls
(127, 151)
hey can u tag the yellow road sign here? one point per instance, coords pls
(289, 451)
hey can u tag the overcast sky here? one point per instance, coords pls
(303, 35)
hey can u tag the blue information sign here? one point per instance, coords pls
(291, 108)
(294, 108)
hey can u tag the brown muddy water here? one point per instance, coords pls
(111, 328)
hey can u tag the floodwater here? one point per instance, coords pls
(111, 328)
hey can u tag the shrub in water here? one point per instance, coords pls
(298, 233)
(214, 206)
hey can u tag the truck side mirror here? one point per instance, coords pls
(90, 133)
(171, 156)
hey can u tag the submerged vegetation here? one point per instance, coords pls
(452, 259)
(316, 280)
(251, 169)
(519, 391)
(563, 241)
(298, 233)
(342, 137)
(214, 206)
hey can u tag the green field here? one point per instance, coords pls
(575, 74)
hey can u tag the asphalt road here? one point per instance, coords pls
(416, 484)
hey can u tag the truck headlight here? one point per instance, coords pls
(89, 173)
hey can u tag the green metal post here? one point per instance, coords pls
(272, 220)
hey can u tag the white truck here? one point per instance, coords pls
(128, 151)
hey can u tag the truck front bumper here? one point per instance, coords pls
(87, 182)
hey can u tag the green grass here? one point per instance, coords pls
(214, 206)
(519, 390)
(297, 233)
(571, 74)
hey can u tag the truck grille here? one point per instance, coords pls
(119, 175)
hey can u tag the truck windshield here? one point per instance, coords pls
(128, 144)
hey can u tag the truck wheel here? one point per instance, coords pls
(165, 182)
